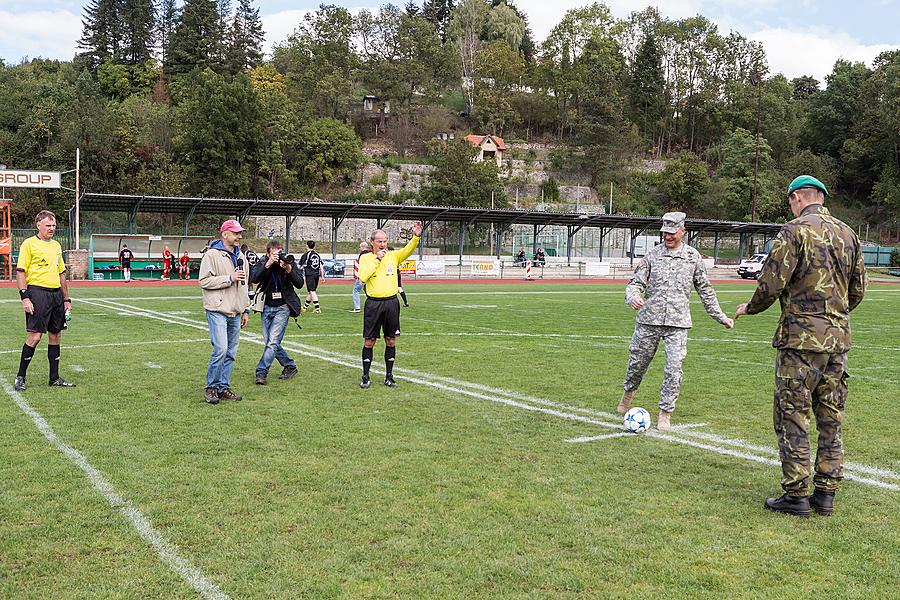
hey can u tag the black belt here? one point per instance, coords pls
(46, 289)
(377, 299)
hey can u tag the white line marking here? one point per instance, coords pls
(76, 368)
(521, 401)
(599, 437)
(151, 365)
(167, 551)
(684, 426)
(117, 344)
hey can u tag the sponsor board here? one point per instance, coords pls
(30, 179)
(486, 268)
(407, 267)
(430, 267)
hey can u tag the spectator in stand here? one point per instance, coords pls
(539, 257)
(125, 256)
(520, 258)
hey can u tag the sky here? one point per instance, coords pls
(801, 37)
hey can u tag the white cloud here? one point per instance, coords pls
(812, 52)
(279, 26)
(47, 34)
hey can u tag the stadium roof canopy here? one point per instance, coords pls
(382, 213)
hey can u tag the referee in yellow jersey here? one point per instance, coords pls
(41, 277)
(378, 270)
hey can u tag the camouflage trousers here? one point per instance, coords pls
(807, 381)
(644, 343)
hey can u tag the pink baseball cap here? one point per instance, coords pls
(231, 225)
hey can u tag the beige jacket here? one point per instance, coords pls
(220, 293)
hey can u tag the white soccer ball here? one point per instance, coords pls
(637, 420)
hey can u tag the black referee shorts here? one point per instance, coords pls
(381, 314)
(49, 311)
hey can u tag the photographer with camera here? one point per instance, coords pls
(277, 276)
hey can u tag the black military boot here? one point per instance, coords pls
(822, 502)
(792, 505)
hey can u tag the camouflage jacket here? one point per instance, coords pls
(816, 271)
(664, 279)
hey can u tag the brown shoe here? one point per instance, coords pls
(227, 394)
(662, 421)
(212, 396)
(625, 402)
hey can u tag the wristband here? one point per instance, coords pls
(67, 300)
(23, 294)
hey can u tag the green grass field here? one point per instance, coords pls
(460, 483)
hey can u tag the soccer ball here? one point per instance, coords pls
(637, 420)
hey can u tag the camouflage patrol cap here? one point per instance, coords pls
(806, 181)
(672, 222)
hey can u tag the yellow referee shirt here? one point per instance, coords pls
(380, 276)
(42, 262)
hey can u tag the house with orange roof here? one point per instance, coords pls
(490, 147)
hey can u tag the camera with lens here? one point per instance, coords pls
(287, 259)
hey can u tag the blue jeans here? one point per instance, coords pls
(274, 322)
(224, 333)
(357, 286)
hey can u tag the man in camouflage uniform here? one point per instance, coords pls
(660, 290)
(816, 271)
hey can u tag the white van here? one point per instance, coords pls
(750, 268)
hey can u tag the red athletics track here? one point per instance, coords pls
(193, 283)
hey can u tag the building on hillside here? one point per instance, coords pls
(376, 106)
(490, 147)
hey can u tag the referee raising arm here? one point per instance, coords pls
(378, 270)
(41, 277)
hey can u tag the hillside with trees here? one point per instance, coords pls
(171, 98)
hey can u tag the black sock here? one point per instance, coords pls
(27, 353)
(307, 303)
(53, 357)
(368, 353)
(316, 304)
(403, 295)
(389, 353)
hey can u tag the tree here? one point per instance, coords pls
(466, 24)
(245, 38)
(457, 180)
(138, 26)
(280, 126)
(685, 181)
(737, 158)
(504, 23)
(647, 94)
(197, 41)
(218, 139)
(165, 27)
(437, 12)
(804, 87)
(328, 152)
(101, 32)
(319, 62)
(499, 70)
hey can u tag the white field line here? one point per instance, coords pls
(76, 368)
(167, 551)
(516, 400)
(597, 438)
(117, 344)
(151, 365)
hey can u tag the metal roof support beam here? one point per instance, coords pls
(382, 221)
(288, 223)
(132, 216)
(463, 227)
(537, 230)
(571, 230)
(246, 212)
(335, 225)
(189, 215)
(716, 250)
(426, 225)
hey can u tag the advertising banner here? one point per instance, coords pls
(29, 179)
(430, 267)
(486, 268)
(407, 267)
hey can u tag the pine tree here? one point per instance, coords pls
(245, 38)
(138, 22)
(197, 41)
(101, 32)
(438, 12)
(647, 102)
(165, 26)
